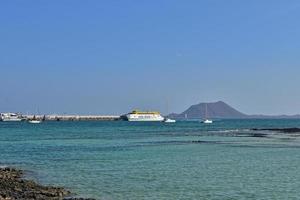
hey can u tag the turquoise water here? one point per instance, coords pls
(185, 160)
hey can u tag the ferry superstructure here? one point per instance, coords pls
(10, 117)
(139, 116)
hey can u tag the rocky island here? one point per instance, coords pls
(221, 110)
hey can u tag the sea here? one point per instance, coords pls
(113, 160)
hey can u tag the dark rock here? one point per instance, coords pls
(282, 130)
(13, 187)
(78, 199)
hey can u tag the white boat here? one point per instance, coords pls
(206, 120)
(138, 116)
(168, 120)
(34, 121)
(10, 117)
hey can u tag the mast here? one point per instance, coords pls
(167, 107)
(206, 111)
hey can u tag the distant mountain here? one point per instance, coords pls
(221, 110)
(214, 110)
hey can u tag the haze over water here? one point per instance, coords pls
(186, 160)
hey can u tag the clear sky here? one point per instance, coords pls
(108, 57)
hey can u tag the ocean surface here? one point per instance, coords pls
(186, 160)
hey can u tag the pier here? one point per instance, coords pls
(73, 117)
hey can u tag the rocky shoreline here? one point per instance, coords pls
(14, 187)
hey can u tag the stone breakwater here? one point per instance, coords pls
(73, 117)
(14, 187)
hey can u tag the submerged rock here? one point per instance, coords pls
(282, 130)
(13, 187)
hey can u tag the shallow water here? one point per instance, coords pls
(185, 160)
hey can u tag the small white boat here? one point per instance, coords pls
(35, 121)
(168, 120)
(207, 121)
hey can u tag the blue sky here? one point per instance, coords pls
(108, 57)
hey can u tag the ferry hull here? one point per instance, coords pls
(145, 120)
(141, 118)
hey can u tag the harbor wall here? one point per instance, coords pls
(74, 117)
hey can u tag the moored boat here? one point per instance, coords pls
(10, 117)
(206, 120)
(168, 120)
(34, 120)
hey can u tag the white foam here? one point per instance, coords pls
(230, 131)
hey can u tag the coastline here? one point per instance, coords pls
(13, 186)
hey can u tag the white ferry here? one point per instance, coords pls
(139, 116)
(10, 117)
